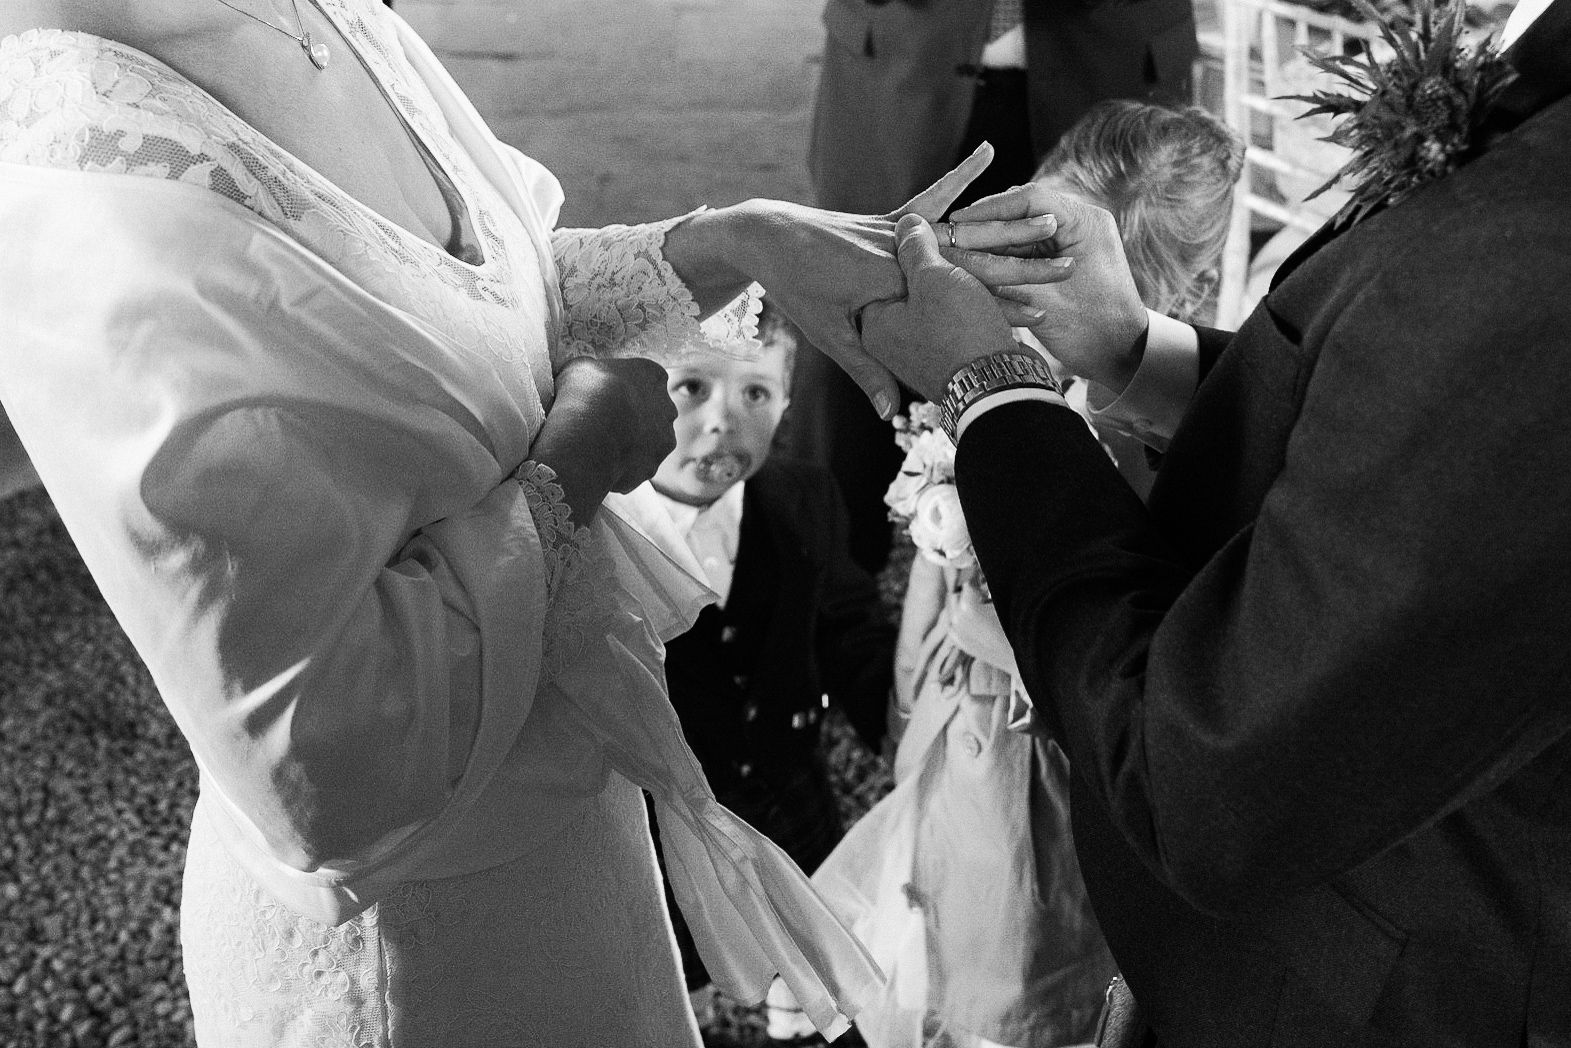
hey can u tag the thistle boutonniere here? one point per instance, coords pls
(1415, 116)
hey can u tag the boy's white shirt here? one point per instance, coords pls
(712, 533)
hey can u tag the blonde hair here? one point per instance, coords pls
(1167, 176)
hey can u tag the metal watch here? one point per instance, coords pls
(1007, 369)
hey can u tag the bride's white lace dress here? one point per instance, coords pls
(565, 940)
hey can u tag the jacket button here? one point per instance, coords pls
(799, 721)
(740, 680)
(744, 770)
(972, 744)
(750, 712)
(728, 635)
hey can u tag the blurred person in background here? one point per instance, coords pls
(906, 88)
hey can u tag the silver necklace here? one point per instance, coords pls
(316, 52)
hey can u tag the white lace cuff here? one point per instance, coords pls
(562, 542)
(621, 297)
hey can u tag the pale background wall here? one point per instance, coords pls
(643, 108)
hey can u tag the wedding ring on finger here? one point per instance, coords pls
(953, 246)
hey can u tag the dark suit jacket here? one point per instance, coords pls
(801, 622)
(1318, 698)
(894, 94)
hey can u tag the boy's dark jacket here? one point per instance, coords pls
(801, 621)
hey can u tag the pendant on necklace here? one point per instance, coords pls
(317, 53)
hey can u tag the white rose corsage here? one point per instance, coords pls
(922, 499)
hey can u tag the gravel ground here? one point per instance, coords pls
(96, 790)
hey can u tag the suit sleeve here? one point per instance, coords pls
(1384, 642)
(1212, 343)
(855, 637)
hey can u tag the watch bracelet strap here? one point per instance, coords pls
(1006, 369)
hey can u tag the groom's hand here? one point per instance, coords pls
(1013, 250)
(947, 319)
(1094, 322)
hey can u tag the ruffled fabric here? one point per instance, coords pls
(962, 882)
(751, 910)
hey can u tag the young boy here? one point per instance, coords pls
(798, 626)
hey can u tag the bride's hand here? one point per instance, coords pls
(822, 268)
(608, 429)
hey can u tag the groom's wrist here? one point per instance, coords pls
(1128, 349)
(1016, 373)
(1002, 400)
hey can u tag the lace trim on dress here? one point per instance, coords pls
(621, 297)
(562, 542)
(581, 585)
(80, 102)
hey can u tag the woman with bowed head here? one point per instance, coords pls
(338, 421)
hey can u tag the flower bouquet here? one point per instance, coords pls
(922, 498)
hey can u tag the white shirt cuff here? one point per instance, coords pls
(998, 400)
(1153, 404)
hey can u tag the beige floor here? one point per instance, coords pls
(646, 108)
(643, 108)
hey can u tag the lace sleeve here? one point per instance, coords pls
(622, 298)
(562, 542)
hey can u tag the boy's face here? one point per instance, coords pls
(726, 414)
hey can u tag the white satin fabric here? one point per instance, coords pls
(296, 497)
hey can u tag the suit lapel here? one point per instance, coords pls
(1317, 240)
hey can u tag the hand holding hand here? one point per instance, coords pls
(947, 319)
(608, 429)
(1091, 319)
(823, 268)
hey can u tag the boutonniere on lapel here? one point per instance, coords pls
(1414, 116)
